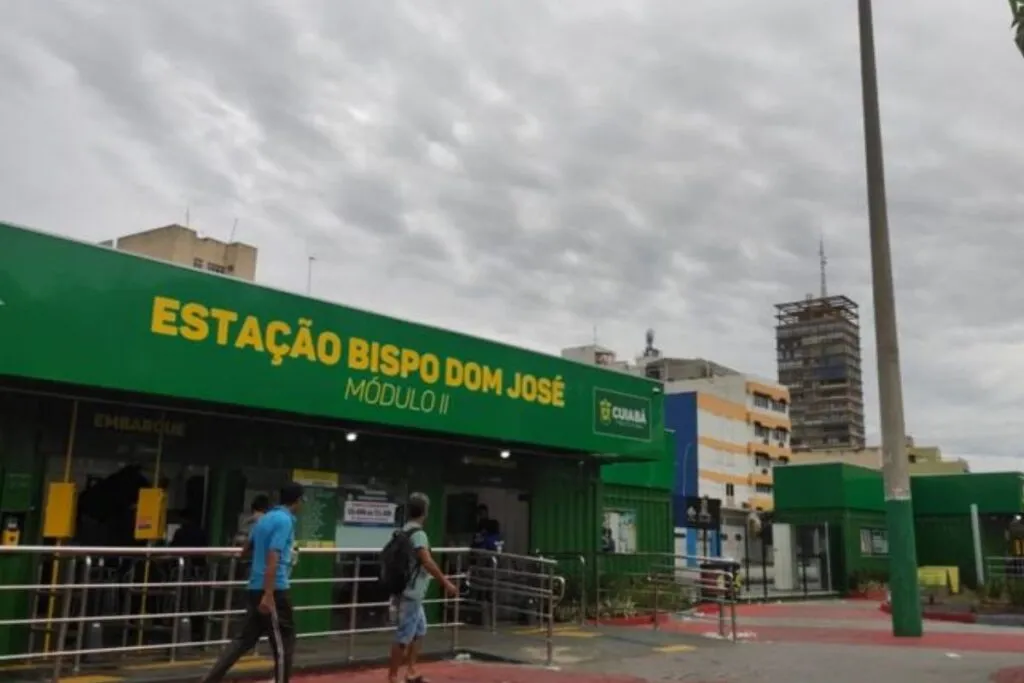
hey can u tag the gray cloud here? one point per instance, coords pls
(528, 169)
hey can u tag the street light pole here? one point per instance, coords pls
(899, 513)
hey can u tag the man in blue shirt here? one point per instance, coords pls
(269, 609)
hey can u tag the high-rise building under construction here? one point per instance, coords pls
(817, 342)
(818, 346)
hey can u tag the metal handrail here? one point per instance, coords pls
(669, 569)
(76, 613)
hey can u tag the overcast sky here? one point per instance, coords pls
(527, 170)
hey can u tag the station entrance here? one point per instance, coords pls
(211, 463)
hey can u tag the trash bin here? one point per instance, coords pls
(714, 585)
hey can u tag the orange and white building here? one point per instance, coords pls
(738, 427)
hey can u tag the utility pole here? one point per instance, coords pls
(309, 275)
(899, 512)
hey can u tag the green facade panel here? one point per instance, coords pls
(93, 316)
(831, 486)
(564, 516)
(953, 494)
(659, 474)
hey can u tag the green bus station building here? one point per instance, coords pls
(121, 374)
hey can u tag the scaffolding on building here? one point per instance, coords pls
(819, 360)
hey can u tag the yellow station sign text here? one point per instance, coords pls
(378, 361)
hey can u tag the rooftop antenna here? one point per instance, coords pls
(823, 262)
(595, 335)
(231, 240)
(187, 217)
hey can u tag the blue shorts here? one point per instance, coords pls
(412, 621)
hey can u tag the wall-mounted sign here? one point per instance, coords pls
(138, 425)
(625, 416)
(379, 513)
(326, 480)
(178, 332)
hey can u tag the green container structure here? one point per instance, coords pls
(942, 517)
(567, 504)
(849, 499)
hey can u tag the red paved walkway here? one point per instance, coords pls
(472, 672)
(818, 629)
(856, 611)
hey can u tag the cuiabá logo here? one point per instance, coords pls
(619, 414)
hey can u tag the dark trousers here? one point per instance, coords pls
(278, 626)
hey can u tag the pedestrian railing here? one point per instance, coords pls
(520, 589)
(647, 588)
(1003, 569)
(97, 607)
(656, 586)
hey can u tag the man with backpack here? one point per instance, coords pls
(406, 569)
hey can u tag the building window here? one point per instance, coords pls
(730, 490)
(763, 488)
(197, 263)
(874, 542)
(762, 461)
(230, 269)
(215, 268)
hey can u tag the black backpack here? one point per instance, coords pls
(398, 562)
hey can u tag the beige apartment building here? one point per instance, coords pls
(178, 244)
(924, 460)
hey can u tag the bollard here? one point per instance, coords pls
(83, 611)
(494, 595)
(732, 613)
(723, 595)
(176, 634)
(184, 634)
(93, 639)
(458, 601)
(352, 607)
(68, 597)
(550, 635)
(655, 580)
(583, 590)
(229, 602)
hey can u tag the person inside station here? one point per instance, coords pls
(483, 517)
(491, 539)
(190, 534)
(259, 506)
(607, 540)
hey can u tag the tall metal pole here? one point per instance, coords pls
(899, 513)
(309, 275)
